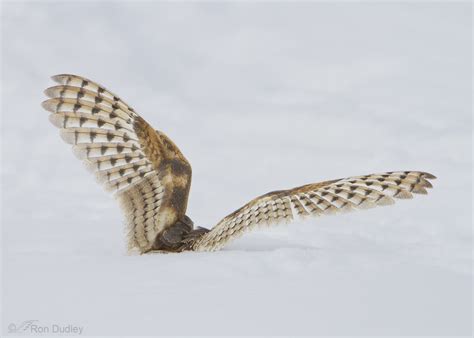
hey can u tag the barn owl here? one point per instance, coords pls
(151, 178)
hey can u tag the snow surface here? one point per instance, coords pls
(259, 97)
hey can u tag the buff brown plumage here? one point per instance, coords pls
(151, 177)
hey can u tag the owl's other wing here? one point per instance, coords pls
(126, 154)
(324, 198)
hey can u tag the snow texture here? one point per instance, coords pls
(259, 97)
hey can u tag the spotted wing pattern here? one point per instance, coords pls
(324, 198)
(126, 154)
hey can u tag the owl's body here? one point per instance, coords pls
(152, 179)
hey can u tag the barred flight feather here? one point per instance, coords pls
(80, 106)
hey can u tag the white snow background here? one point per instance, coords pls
(259, 97)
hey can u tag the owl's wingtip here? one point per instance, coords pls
(60, 78)
(429, 176)
(65, 78)
(48, 106)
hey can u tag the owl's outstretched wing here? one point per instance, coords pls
(324, 198)
(127, 155)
